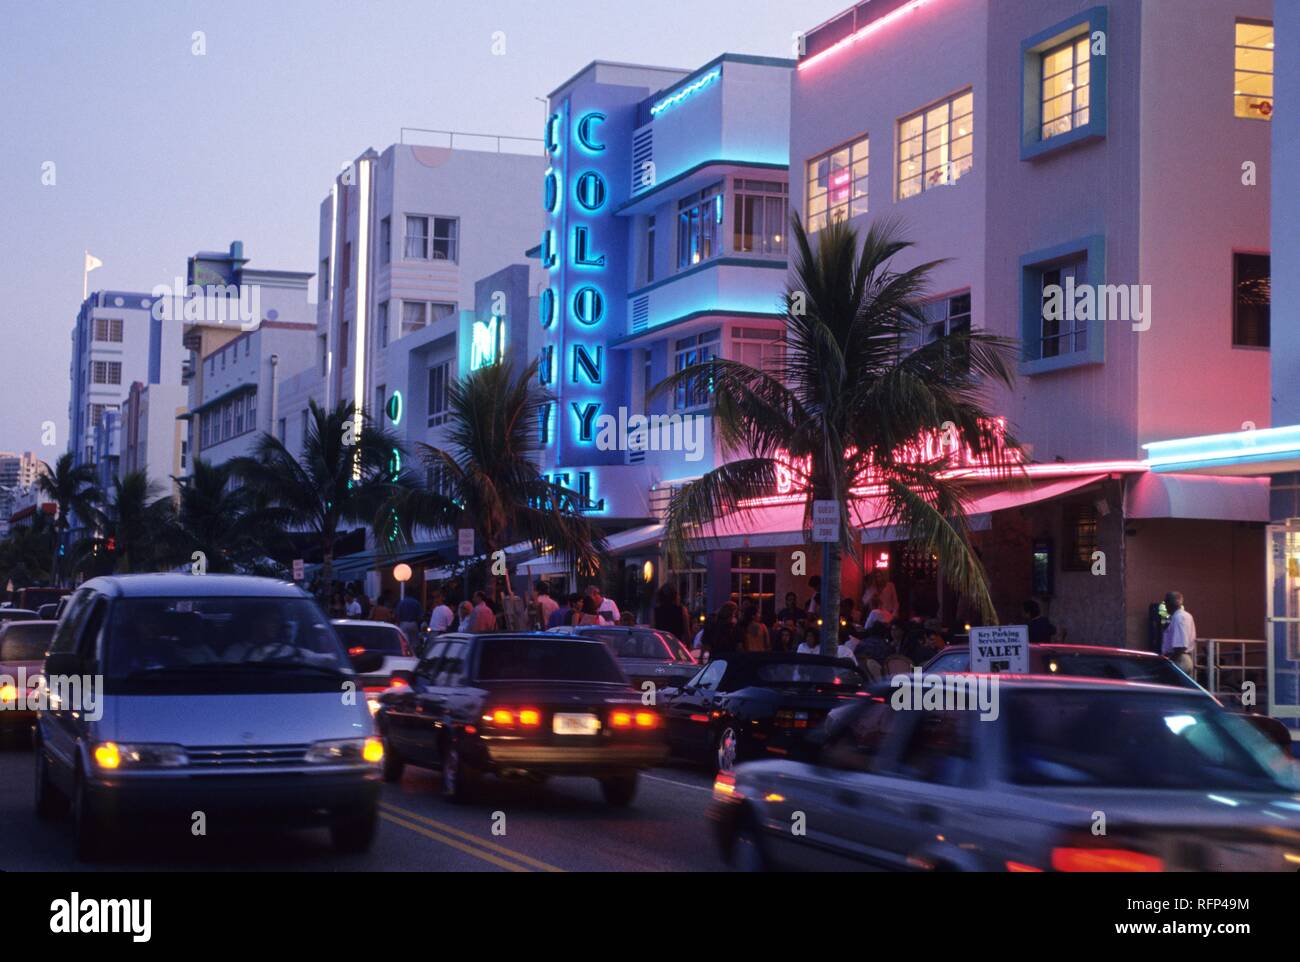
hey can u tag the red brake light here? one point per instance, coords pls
(620, 719)
(646, 719)
(530, 717)
(356, 650)
(398, 683)
(1104, 860)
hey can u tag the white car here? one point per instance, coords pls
(360, 637)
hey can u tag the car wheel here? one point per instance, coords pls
(728, 749)
(87, 830)
(620, 790)
(49, 800)
(747, 853)
(355, 835)
(393, 763)
(458, 779)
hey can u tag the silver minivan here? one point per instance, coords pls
(172, 696)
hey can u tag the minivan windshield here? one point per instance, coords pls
(162, 637)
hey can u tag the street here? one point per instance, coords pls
(564, 826)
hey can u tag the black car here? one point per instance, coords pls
(519, 704)
(1116, 664)
(747, 705)
(645, 654)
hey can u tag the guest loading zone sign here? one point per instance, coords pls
(999, 648)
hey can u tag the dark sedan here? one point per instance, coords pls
(645, 654)
(1116, 664)
(749, 705)
(519, 705)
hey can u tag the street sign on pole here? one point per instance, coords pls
(826, 521)
(997, 648)
(297, 569)
(465, 542)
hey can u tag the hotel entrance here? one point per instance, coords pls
(1284, 622)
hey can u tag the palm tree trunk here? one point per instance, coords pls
(830, 598)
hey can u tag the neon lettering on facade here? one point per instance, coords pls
(486, 343)
(678, 96)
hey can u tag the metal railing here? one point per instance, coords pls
(1225, 665)
(501, 144)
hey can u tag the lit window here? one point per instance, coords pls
(690, 351)
(837, 185)
(699, 226)
(761, 213)
(1066, 87)
(1251, 301)
(936, 146)
(1252, 85)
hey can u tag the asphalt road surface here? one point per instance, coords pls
(562, 826)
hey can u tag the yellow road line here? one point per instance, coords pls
(445, 840)
(474, 839)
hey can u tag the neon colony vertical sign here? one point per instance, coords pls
(582, 305)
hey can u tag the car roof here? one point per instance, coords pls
(364, 622)
(18, 611)
(549, 636)
(610, 628)
(1060, 682)
(176, 585)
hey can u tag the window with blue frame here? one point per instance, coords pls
(1059, 323)
(1064, 84)
(699, 226)
(689, 352)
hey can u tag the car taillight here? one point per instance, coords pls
(356, 650)
(1104, 860)
(509, 717)
(398, 683)
(530, 717)
(8, 694)
(646, 719)
(620, 719)
(791, 719)
(724, 786)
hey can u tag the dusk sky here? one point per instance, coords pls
(160, 153)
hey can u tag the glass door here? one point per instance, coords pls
(1284, 621)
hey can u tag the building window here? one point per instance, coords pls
(440, 310)
(757, 347)
(282, 429)
(306, 428)
(386, 240)
(837, 184)
(761, 214)
(1251, 300)
(417, 238)
(323, 282)
(250, 415)
(412, 316)
(1252, 85)
(753, 581)
(1066, 88)
(947, 316)
(436, 406)
(1063, 79)
(106, 372)
(1060, 288)
(344, 335)
(445, 230)
(239, 415)
(227, 418)
(108, 329)
(690, 351)
(650, 249)
(1080, 536)
(936, 146)
(699, 226)
(381, 323)
(347, 266)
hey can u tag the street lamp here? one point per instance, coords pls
(402, 572)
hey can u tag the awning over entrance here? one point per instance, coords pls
(352, 566)
(1198, 496)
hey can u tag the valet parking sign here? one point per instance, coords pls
(1000, 648)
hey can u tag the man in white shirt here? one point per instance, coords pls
(1179, 641)
(441, 618)
(354, 606)
(545, 603)
(605, 607)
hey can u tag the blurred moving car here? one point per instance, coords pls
(1093, 661)
(1183, 785)
(521, 705)
(22, 655)
(18, 614)
(219, 694)
(48, 612)
(645, 654)
(744, 705)
(387, 640)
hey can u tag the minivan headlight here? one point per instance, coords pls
(346, 751)
(111, 756)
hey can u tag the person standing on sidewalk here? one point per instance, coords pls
(1179, 641)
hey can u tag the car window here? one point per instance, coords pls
(385, 639)
(428, 666)
(1156, 671)
(937, 749)
(21, 642)
(452, 667)
(545, 659)
(90, 631)
(708, 678)
(857, 745)
(954, 662)
(69, 627)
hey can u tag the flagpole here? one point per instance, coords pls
(85, 275)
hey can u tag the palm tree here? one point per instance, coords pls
(343, 475)
(487, 476)
(846, 405)
(132, 526)
(219, 518)
(72, 488)
(25, 554)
